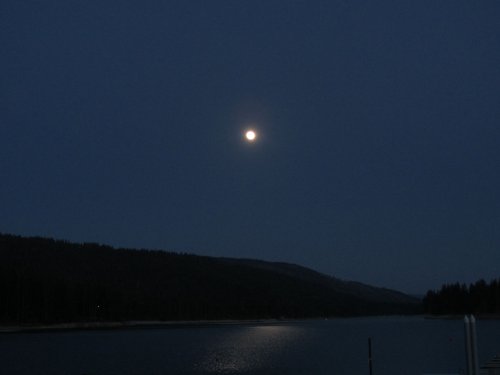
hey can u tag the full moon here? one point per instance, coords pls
(250, 135)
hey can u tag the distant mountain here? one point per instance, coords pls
(46, 281)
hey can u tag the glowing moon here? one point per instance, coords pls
(250, 135)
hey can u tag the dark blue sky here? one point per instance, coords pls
(378, 159)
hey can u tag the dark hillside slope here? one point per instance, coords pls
(353, 288)
(45, 281)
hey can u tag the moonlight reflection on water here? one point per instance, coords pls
(249, 349)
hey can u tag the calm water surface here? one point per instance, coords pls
(401, 345)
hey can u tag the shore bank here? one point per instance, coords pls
(129, 324)
(461, 316)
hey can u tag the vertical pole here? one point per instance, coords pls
(473, 344)
(468, 351)
(370, 355)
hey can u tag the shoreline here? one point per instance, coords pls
(461, 316)
(95, 326)
(89, 326)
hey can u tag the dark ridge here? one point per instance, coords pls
(44, 280)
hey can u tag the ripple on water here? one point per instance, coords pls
(250, 349)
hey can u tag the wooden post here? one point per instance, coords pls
(471, 345)
(473, 340)
(468, 347)
(370, 355)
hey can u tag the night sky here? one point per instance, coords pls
(378, 150)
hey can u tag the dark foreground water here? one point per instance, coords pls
(401, 345)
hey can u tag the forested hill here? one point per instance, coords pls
(47, 281)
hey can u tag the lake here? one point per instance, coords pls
(401, 345)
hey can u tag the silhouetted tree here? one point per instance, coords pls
(478, 298)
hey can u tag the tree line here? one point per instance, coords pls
(477, 298)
